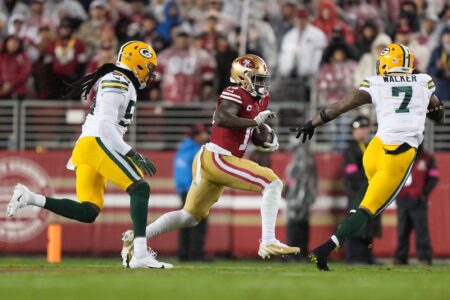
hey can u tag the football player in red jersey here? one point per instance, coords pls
(240, 109)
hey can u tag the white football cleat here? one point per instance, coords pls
(148, 261)
(21, 197)
(276, 248)
(127, 248)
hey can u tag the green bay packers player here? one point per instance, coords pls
(101, 154)
(240, 109)
(402, 101)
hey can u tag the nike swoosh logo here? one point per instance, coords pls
(18, 199)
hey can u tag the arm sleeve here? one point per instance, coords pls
(109, 111)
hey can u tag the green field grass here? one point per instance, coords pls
(83, 279)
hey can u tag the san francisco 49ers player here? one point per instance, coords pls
(240, 109)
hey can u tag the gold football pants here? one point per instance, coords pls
(386, 174)
(95, 165)
(220, 171)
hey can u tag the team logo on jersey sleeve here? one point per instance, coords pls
(247, 63)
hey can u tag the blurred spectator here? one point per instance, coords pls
(261, 39)
(226, 22)
(186, 73)
(407, 18)
(3, 24)
(16, 25)
(301, 189)
(15, 69)
(67, 57)
(11, 7)
(367, 63)
(106, 54)
(210, 34)
(90, 30)
(301, 50)
(150, 35)
(171, 19)
(334, 78)
(224, 57)
(439, 66)
(412, 209)
(35, 21)
(129, 19)
(365, 38)
(357, 13)
(327, 19)
(338, 40)
(62, 9)
(41, 70)
(285, 22)
(405, 37)
(191, 240)
(359, 248)
(107, 38)
(429, 35)
(158, 9)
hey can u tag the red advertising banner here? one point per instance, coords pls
(234, 222)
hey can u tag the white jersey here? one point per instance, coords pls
(401, 104)
(112, 111)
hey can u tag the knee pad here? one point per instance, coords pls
(90, 213)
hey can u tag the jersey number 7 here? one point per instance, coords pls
(407, 91)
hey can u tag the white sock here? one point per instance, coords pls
(269, 210)
(170, 221)
(140, 247)
(37, 200)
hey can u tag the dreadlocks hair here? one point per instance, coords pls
(85, 84)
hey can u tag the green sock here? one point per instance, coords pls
(139, 207)
(352, 225)
(84, 212)
(359, 197)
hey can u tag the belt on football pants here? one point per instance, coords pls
(400, 149)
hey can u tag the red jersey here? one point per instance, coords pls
(236, 140)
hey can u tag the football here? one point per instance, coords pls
(261, 135)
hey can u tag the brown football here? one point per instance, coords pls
(261, 135)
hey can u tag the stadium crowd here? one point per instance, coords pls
(328, 46)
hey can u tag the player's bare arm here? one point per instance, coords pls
(352, 100)
(436, 110)
(227, 116)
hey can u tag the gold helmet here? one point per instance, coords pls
(140, 58)
(250, 72)
(395, 58)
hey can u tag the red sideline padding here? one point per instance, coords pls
(234, 224)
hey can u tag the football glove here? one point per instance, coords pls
(306, 129)
(263, 116)
(270, 147)
(146, 166)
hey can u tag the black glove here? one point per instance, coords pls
(307, 129)
(146, 166)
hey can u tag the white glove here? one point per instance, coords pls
(270, 147)
(263, 116)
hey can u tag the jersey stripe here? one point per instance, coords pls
(111, 86)
(231, 95)
(431, 84)
(231, 99)
(365, 83)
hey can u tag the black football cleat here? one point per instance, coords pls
(320, 261)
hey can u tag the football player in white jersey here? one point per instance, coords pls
(101, 154)
(402, 101)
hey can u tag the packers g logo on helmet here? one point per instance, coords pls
(140, 58)
(395, 58)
